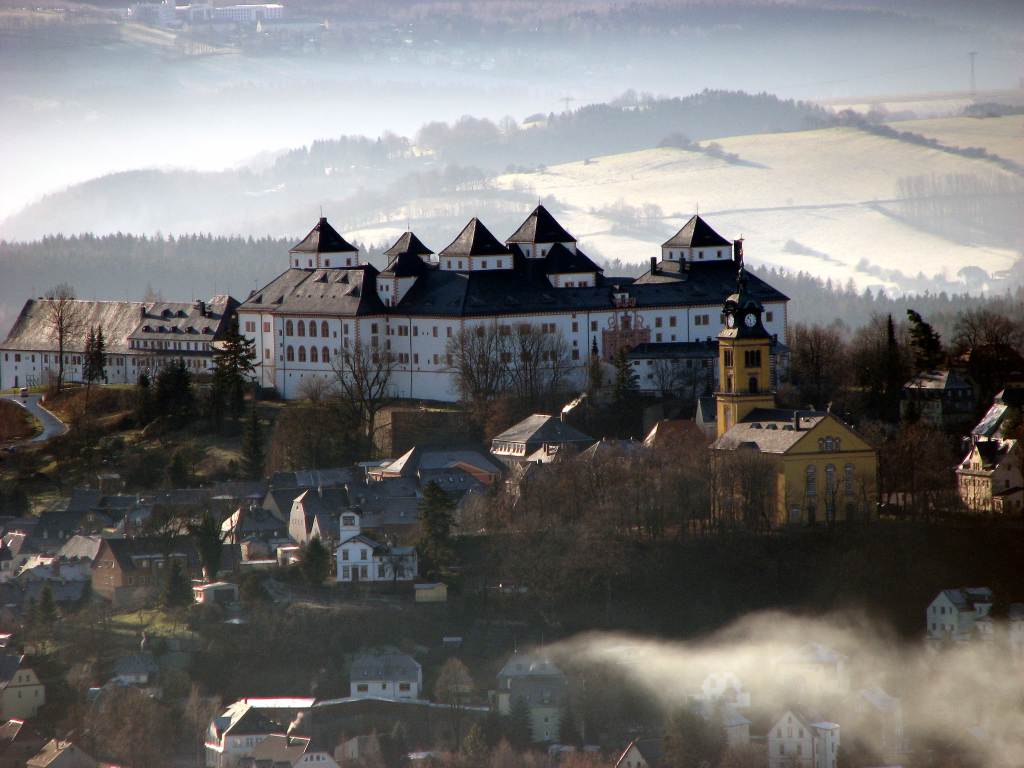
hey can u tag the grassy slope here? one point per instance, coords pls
(814, 187)
(1003, 136)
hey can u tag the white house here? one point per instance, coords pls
(235, 733)
(641, 753)
(953, 614)
(360, 558)
(802, 739)
(283, 750)
(813, 670)
(726, 687)
(393, 676)
(327, 303)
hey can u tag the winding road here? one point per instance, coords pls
(52, 426)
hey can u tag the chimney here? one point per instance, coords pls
(201, 306)
(654, 265)
(737, 251)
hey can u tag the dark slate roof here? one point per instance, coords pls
(937, 380)
(136, 664)
(348, 291)
(561, 260)
(541, 227)
(423, 458)
(125, 549)
(317, 478)
(408, 243)
(396, 667)
(475, 240)
(649, 749)
(405, 265)
(541, 428)
(696, 233)
(710, 282)
(117, 318)
(992, 421)
(9, 664)
(769, 430)
(185, 321)
(1012, 396)
(323, 238)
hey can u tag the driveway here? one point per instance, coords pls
(52, 426)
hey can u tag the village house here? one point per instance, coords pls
(801, 738)
(127, 569)
(725, 687)
(139, 337)
(21, 693)
(360, 558)
(641, 753)
(538, 439)
(280, 750)
(138, 670)
(812, 670)
(942, 398)
(62, 754)
(235, 733)
(823, 468)
(394, 676)
(952, 615)
(989, 479)
(882, 716)
(541, 685)
(721, 714)
(19, 743)
(328, 302)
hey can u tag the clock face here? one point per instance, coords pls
(730, 320)
(750, 321)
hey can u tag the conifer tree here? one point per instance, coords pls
(253, 448)
(173, 393)
(473, 751)
(178, 589)
(928, 354)
(626, 394)
(315, 561)
(232, 371)
(94, 361)
(144, 403)
(178, 473)
(520, 724)
(206, 535)
(434, 546)
(569, 727)
(46, 610)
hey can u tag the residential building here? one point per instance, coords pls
(235, 733)
(140, 337)
(215, 593)
(724, 687)
(942, 398)
(813, 670)
(882, 716)
(823, 468)
(989, 479)
(735, 727)
(62, 754)
(641, 753)
(541, 685)
(538, 439)
(19, 743)
(801, 738)
(953, 613)
(360, 558)
(386, 676)
(1007, 402)
(280, 750)
(21, 693)
(127, 569)
(328, 302)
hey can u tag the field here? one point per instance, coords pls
(819, 201)
(1003, 136)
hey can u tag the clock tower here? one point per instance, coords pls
(744, 378)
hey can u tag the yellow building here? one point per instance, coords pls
(21, 693)
(821, 469)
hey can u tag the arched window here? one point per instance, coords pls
(821, 444)
(325, 355)
(312, 328)
(830, 479)
(288, 330)
(324, 331)
(837, 444)
(290, 354)
(811, 490)
(302, 354)
(828, 440)
(849, 478)
(313, 357)
(302, 328)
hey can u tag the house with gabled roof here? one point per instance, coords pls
(813, 670)
(386, 675)
(641, 753)
(59, 753)
(989, 479)
(126, 569)
(541, 685)
(361, 558)
(881, 715)
(234, 734)
(18, 743)
(287, 751)
(303, 319)
(952, 615)
(539, 438)
(802, 738)
(21, 693)
(942, 398)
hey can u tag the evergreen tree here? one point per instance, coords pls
(46, 610)
(206, 535)
(94, 361)
(178, 473)
(520, 724)
(315, 562)
(252, 592)
(144, 402)
(473, 752)
(434, 547)
(928, 354)
(173, 394)
(178, 589)
(626, 395)
(569, 726)
(690, 741)
(253, 450)
(232, 371)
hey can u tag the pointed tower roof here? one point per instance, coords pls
(475, 240)
(696, 233)
(541, 227)
(405, 265)
(324, 238)
(408, 243)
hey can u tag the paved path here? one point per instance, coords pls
(52, 426)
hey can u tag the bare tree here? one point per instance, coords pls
(976, 327)
(819, 355)
(454, 686)
(666, 375)
(537, 364)
(363, 384)
(63, 321)
(475, 360)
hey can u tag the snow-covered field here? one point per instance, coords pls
(1003, 136)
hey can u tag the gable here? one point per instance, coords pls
(826, 427)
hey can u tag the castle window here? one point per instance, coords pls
(768, 316)
(302, 328)
(312, 328)
(325, 355)
(324, 330)
(327, 263)
(313, 356)
(288, 328)
(672, 321)
(752, 358)
(483, 264)
(302, 354)
(290, 354)
(811, 489)
(657, 322)
(499, 263)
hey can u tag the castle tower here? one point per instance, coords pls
(743, 361)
